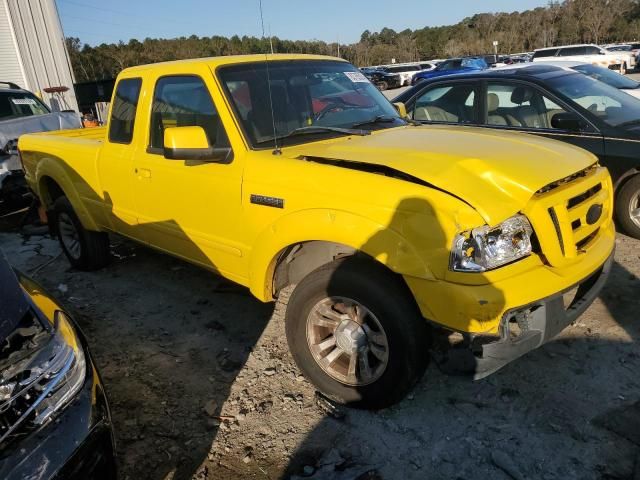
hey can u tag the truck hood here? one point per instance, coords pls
(495, 172)
(13, 128)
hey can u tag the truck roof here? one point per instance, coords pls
(231, 60)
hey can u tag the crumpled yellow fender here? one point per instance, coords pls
(333, 226)
(50, 167)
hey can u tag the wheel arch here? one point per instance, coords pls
(52, 183)
(302, 242)
(625, 177)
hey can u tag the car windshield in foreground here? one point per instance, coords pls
(609, 104)
(20, 104)
(304, 94)
(607, 76)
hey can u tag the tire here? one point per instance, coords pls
(627, 207)
(85, 249)
(382, 86)
(388, 312)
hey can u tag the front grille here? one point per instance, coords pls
(559, 214)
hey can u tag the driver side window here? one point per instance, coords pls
(446, 104)
(184, 101)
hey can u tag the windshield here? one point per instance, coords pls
(20, 104)
(305, 94)
(607, 76)
(605, 102)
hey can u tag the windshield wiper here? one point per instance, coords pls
(311, 129)
(376, 119)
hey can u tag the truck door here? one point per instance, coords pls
(190, 208)
(115, 164)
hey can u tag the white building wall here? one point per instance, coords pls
(41, 49)
(10, 68)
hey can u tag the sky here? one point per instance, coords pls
(98, 21)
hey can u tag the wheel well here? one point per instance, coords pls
(625, 178)
(295, 262)
(50, 191)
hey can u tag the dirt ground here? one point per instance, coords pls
(202, 386)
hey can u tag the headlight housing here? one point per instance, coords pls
(41, 369)
(485, 248)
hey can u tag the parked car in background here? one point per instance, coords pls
(620, 61)
(605, 75)
(552, 102)
(373, 224)
(451, 67)
(381, 79)
(406, 71)
(54, 416)
(427, 66)
(22, 112)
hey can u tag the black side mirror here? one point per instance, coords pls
(567, 121)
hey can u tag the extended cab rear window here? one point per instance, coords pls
(123, 111)
(20, 104)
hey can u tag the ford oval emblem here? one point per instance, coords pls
(594, 213)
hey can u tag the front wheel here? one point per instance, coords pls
(356, 333)
(85, 250)
(627, 207)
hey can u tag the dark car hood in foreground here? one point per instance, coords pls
(13, 302)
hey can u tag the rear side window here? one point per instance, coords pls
(592, 51)
(572, 51)
(545, 53)
(123, 111)
(447, 104)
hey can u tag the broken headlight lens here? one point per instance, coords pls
(486, 248)
(42, 369)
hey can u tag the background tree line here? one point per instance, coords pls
(560, 22)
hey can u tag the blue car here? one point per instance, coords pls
(452, 66)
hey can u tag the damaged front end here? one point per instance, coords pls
(42, 367)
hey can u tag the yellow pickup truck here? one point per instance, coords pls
(292, 173)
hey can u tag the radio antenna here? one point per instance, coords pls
(276, 149)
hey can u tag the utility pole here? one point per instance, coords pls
(495, 49)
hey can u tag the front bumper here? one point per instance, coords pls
(76, 445)
(537, 323)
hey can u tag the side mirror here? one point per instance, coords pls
(401, 108)
(191, 143)
(567, 121)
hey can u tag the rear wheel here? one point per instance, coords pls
(86, 250)
(382, 86)
(356, 333)
(627, 207)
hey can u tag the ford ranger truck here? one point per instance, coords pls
(293, 176)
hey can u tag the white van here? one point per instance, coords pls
(620, 61)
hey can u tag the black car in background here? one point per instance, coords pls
(549, 101)
(382, 79)
(54, 417)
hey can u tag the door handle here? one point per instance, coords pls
(143, 172)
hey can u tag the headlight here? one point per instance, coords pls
(486, 248)
(41, 370)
